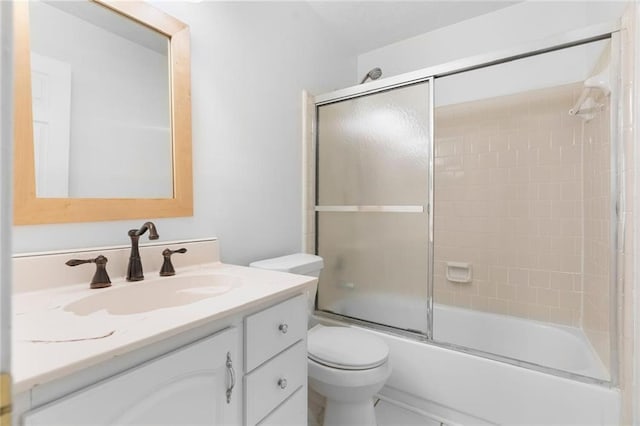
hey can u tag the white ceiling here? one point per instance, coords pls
(367, 25)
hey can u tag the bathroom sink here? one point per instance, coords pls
(158, 293)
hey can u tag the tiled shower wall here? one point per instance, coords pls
(508, 200)
(522, 193)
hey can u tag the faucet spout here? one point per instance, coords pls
(134, 269)
(153, 233)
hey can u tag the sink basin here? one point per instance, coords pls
(150, 295)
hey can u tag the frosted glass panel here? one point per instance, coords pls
(375, 267)
(373, 150)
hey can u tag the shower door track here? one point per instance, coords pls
(569, 39)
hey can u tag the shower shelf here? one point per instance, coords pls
(459, 272)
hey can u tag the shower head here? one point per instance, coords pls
(374, 74)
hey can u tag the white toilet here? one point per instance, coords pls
(346, 365)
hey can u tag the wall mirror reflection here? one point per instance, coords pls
(103, 116)
(101, 103)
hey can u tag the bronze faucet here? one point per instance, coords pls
(134, 269)
(167, 269)
(100, 278)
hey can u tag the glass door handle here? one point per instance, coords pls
(381, 208)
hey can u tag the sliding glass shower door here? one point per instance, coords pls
(479, 207)
(372, 207)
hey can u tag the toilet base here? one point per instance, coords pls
(349, 393)
(361, 413)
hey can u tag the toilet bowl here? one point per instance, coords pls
(348, 367)
(345, 365)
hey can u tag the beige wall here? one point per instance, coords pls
(508, 200)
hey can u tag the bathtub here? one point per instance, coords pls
(460, 388)
(550, 345)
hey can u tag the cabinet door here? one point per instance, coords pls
(185, 387)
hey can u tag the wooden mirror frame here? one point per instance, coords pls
(29, 209)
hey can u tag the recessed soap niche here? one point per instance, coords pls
(459, 272)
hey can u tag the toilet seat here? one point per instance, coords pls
(346, 348)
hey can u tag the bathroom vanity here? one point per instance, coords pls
(227, 345)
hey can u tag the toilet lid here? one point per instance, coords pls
(346, 348)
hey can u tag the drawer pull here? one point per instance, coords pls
(283, 328)
(232, 377)
(282, 383)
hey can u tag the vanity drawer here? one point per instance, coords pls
(272, 383)
(269, 332)
(292, 412)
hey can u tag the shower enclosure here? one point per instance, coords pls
(473, 205)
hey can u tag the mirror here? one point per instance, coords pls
(117, 141)
(103, 122)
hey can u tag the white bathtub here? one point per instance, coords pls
(550, 345)
(467, 389)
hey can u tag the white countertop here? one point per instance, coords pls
(49, 342)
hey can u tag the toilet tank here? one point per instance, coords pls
(299, 263)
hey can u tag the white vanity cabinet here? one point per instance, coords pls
(188, 386)
(258, 359)
(276, 365)
(164, 361)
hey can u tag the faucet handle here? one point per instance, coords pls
(167, 267)
(101, 277)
